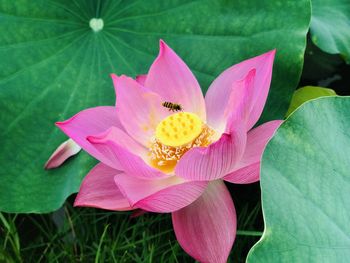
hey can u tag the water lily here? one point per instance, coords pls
(166, 160)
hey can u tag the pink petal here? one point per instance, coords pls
(206, 229)
(139, 109)
(220, 91)
(99, 190)
(246, 175)
(62, 153)
(170, 77)
(159, 194)
(87, 122)
(216, 160)
(141, 79)
(124, 152)
(237, 110)
(248, 169)
(117, 135)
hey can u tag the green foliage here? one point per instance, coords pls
(307, 93)
(305, 186)
(92, 235)
(54, 65)
(11, 240)
(330, 25)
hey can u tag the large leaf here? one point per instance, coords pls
(305, 183)
(330, 25)
(307, 93)
(53, 64)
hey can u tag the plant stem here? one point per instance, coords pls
(249, 233)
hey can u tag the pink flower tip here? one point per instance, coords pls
(272, 52)
(162, 48)
(162, 43)
(62, 153)
(60, 123)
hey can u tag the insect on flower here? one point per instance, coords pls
(172, 106)
(164, 161)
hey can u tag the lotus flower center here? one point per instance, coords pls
(179, 129)
(175, 135)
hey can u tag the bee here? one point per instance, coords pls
(172, 106)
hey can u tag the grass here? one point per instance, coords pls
(91, 235)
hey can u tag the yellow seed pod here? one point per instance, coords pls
(179, 129)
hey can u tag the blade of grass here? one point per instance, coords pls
(98, 252)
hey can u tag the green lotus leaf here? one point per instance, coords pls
(330, 25)
(307, 93)
(305, 184)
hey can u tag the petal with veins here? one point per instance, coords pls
(161, 195)
(216, 160)
(170, 77)
(98, 190)
(206, 229)
(248, 169)
(120, 149)
(91, 121)
(139, 109)
(141, 79)
(220, 91)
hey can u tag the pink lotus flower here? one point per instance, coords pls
(168, 161)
